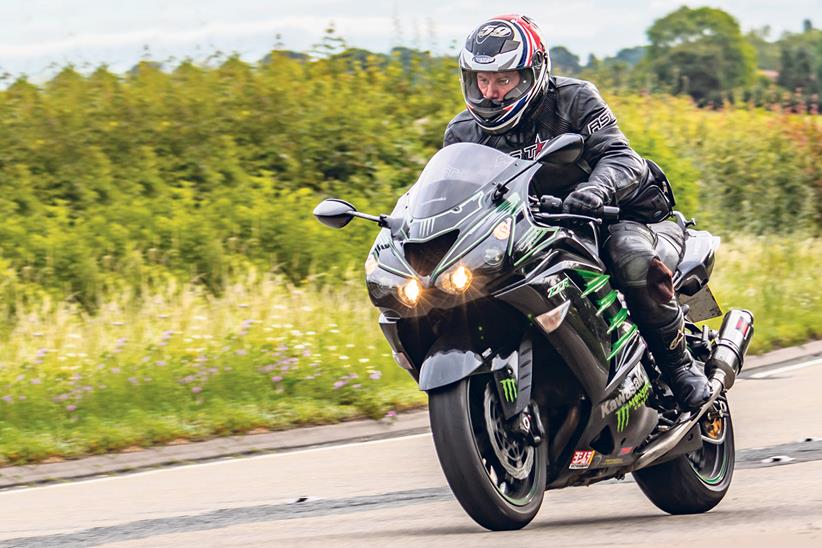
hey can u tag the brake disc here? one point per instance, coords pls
(516, 456)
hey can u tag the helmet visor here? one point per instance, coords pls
(489, 93)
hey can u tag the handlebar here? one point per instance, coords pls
(549, 209)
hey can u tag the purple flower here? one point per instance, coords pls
(8, 399)
(306, 353)
(71, 407)
(133, 380)
(339, 384)
(115, 370)
(284, 368)
(375, 375)
(276, 378)
(196, 389)
(241, 352)
(161, 363)
(391, 414)
(36, 381)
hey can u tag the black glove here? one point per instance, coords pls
(587, 200)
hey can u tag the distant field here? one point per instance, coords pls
(266, 354)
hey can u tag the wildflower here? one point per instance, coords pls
(241, 352)
(276, 378)
(284, 368)
(364, 360)
(133, 380)
(339, 384)
(36, 381)
(71, 407)
(391, 414)
(8, 399)
(343, 357)
(375, 375)
(115, 370)
(356, 386)
(160, 363)
(196, 389)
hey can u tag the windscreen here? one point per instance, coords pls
(454, 174)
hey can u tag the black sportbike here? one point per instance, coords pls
(500, 307)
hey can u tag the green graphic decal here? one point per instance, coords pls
(509, 388)
(618, 319)
(606, 301)
(593, 281)
(623, 414)
(510, 205)
(622, 340)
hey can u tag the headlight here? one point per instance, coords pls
(410, 292)
(456, 280)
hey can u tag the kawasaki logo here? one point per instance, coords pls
(631, 386)
(509, 388)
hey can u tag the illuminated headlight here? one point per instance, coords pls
(456, 281)
(410, 292)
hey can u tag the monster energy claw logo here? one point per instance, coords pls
(624, 413)
(509, 388)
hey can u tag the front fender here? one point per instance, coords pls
(443, 367)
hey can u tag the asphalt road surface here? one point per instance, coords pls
(392, 492)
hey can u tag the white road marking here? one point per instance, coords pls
(222, 461)
(785, 369)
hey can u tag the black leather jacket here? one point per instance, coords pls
(575, 106)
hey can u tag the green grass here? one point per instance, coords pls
(265, 354)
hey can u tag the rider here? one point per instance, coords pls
(515, 105)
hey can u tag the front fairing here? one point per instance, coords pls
(470, 219)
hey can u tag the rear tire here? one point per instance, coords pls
(696, 482)
(490, 495)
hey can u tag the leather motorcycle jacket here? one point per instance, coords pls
(569, 105)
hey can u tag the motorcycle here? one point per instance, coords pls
(500, 308)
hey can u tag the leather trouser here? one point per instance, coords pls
(641, 260)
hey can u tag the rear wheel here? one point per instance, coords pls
(497, 477)
(696, 482)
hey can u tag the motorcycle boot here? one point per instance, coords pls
(687, 381)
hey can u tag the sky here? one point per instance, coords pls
(37, 37)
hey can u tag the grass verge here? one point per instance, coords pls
(265, 354)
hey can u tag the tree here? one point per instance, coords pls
(701, 52)
(563, 61)
(801, 61)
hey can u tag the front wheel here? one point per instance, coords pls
(498, 478)
(696, 482)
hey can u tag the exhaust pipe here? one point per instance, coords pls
(729, 353)
(724, 364)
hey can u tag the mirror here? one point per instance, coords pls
(562, 149)
(334, 213)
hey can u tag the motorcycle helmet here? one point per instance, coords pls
(502, 44)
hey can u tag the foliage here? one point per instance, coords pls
(700, 52)
(113, 184)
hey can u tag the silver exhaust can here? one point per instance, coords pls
(734, 337)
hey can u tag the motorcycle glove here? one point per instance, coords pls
(585, 200)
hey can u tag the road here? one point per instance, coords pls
(392, 492)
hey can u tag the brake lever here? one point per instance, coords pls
(566, 217)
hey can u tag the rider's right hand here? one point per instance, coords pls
(587, 200)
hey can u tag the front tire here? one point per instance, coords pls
(696, 482)
(497, 479)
